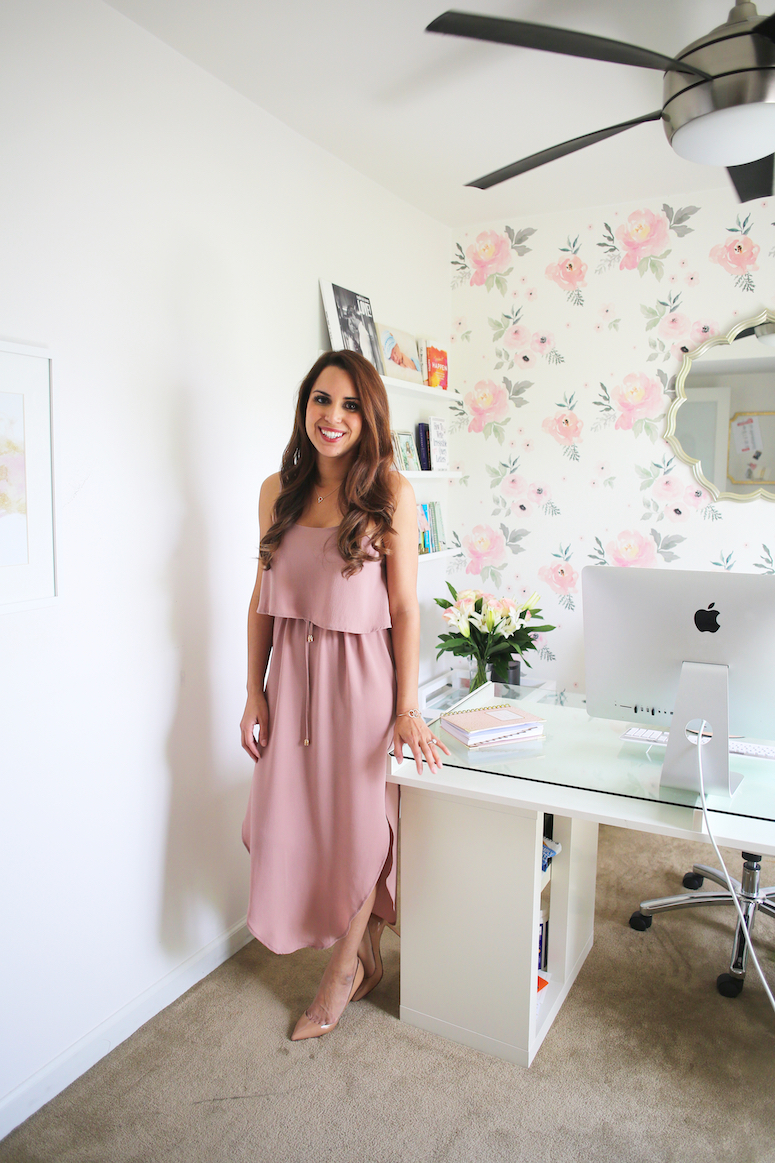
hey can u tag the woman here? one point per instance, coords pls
(335, 600)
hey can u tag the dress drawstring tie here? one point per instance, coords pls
(310, 638)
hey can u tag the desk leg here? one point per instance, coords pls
(470, 891)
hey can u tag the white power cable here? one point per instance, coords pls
(744, 927)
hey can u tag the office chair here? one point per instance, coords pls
(752, 898)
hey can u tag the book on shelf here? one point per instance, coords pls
(422, 351)
(350, 323)
(399, 354)
(437, 441)
(502, 722)
(440, 525)
(427, 510)
(410, 461)
(423, 531)
(437, 366)
(423, 446)
(434, 526)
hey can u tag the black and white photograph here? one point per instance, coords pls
(351, 323)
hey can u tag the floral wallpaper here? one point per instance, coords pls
(568, 330)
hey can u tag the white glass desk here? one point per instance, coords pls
(471, 840)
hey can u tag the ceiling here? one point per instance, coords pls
(423, 114)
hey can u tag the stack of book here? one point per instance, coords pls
(490, 726)
(430, 528)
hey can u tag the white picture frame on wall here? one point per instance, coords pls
(27, 545)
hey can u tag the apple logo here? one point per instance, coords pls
(706, 621)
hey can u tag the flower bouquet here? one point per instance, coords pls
(489, 630)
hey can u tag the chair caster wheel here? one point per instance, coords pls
(729, 986)
(639, 922)
(693, 880)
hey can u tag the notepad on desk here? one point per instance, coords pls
(487, 726)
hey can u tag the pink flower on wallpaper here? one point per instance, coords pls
(524, 359)
(484, 547)
(487, 402)
(569, 273)
(516, 337)
(632, 548)
(539, 494)
(737, 255)
(490, 254)
(702, 330)
(673, 326)
(679, 350)
(637, 397)
(542, 342)
(695, 496)
(561, 577)
(668, 488)
(513, 485)
(676, 513)
(522, 507)
(565, 427)
(644, 234)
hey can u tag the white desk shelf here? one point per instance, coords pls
(431, 476)
(435, 556)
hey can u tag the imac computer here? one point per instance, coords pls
(669, 648)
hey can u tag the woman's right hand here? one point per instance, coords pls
(256, 713)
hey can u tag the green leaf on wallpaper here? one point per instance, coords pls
(466, 337)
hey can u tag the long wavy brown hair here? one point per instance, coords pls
(367, 497)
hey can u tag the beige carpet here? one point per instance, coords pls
(645, 1063)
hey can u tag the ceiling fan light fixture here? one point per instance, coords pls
(728, 137)
(765, 333)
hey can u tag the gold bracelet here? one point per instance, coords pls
(413, 713)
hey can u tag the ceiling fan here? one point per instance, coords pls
(718, 93)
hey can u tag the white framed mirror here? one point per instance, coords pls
(722, 420)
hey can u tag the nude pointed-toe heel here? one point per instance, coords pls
(375, 936)
(306, 1028)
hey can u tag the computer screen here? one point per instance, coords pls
(642, 625)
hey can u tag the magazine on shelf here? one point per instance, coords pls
(411, 462)
(437, 366)
(439, 453)
(400, 356)
(351, 323)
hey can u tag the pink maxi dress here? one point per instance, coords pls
(321, 820)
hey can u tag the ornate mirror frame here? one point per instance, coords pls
(680, 398)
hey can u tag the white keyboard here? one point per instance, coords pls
(736, 746)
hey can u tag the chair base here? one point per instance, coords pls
(752, 897)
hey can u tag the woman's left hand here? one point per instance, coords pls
(412, 731)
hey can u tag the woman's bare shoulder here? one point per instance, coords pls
(403, 493)
(270, 491)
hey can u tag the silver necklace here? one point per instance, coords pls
(329, 494)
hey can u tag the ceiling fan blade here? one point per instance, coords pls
(559, 40)
(754, 179)
(557, 151)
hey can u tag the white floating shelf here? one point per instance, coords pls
(437, 554)
(431, 476)
(417, 390)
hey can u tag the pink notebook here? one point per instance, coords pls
(484, 722)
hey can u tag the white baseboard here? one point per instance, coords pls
(52, 1078)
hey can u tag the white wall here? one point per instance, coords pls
(164, 238)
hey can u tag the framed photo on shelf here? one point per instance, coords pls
(399, 354)
(27, 565)
(408, 449)
(350, 323)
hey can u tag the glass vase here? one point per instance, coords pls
(478, 673)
